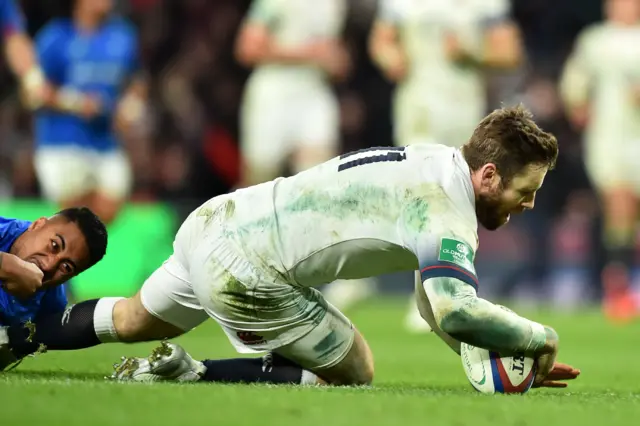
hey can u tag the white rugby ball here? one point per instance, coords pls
(489, 373)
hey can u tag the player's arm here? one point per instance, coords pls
(502, 42)
(463, 315)
(385, 47)
(450, 284)
(20, 52)
(575, 82)
(20, 278)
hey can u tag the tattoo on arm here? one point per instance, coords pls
(462, 314)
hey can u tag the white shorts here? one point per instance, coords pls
(419, 117)
(275, 123)
(612, 162)
(70, 172)
(258, 309)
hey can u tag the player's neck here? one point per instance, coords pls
(86, 21)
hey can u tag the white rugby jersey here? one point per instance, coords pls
(604, 69)
(295, 23)
(423, 26)
(362, 214)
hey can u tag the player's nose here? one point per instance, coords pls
(528, 205)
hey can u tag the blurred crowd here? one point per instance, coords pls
(188, 150)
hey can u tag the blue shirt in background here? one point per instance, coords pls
(17, 311)
(11, 19)
(100, 63)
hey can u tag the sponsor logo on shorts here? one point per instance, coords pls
(250, 338)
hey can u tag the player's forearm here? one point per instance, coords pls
(253, 55)
(467, 318)
(71, 101)
(387, 55)
(8, 266)
(508, 56)
(574, 86)
(20, 54)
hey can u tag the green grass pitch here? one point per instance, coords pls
(419, 381)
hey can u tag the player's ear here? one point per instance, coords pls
(37, 224)
(489, 176)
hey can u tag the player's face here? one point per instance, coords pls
(57, 247)
(623, 11)
(98, 7)
(495, 203)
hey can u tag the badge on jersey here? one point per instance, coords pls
(456, 252)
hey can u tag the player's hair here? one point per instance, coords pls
(92, 228)
(510, 139)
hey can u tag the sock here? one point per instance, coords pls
(80, 326)
(271, 368)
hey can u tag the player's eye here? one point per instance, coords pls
(66, 268)
(54, 245)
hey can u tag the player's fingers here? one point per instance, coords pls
(553, 384)
(563, 375)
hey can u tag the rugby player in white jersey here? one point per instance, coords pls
(437, 51)
(251, 259)
(289, 109)
(601, 89)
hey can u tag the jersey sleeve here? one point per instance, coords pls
(49, 42)
(447, 254)
(495, 12)
(263, 12)
(390, 11)
(54, 301)
(443, 240)
(11, 19)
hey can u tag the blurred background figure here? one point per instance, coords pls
(601, 89)
(20, 53)
(437, 53)
(289, 110)
(95, 90)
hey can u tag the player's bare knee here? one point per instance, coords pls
(355, 369)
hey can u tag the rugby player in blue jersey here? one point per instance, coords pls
(94, 86)
(37, 257)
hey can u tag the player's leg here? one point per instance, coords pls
(263, 134)
(113, 181)
(64, 175)
(334, 350)
(615, 184)
(314, 120)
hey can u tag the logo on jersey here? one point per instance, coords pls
(457, 252)
(250, 338)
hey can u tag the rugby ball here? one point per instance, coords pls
(489, 373)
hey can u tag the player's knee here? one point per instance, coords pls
(133, 323)
(106, 208)
(356, 369)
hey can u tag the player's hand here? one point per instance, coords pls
(556, 377)
(546, 357)
(332, 57)
(91, 107)
(396, 67)
(579, 117)
(24, 279)
(129, 112)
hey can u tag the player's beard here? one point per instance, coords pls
(490, 211)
